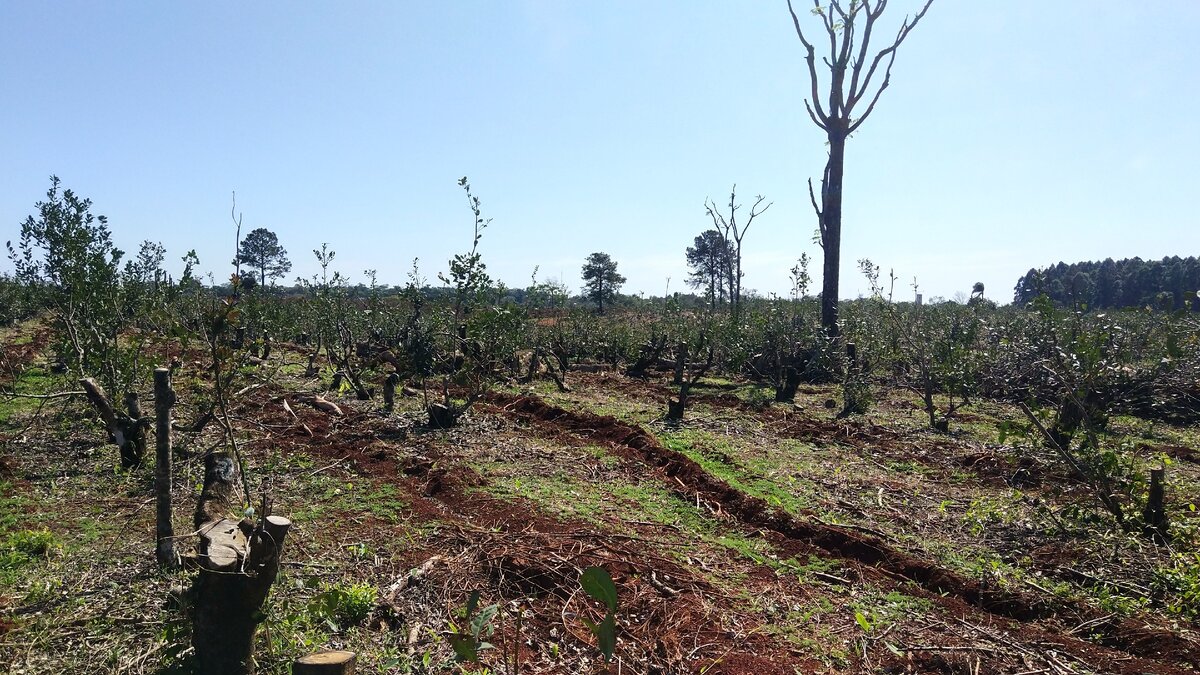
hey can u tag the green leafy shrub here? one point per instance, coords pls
(599, 585)
(468, 641)
(32, 543)
(343, 605)
(1183, 582)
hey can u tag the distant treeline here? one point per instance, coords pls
(542, 296)
(1170, 283)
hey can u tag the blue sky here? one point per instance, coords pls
(1014, 134)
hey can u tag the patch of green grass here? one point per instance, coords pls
(352, 497)
(13, 507)
(34, 380)
(875, 613)
(1182, 582)
(304, 614)
(806, 571)
(758, 395)
(601, 453)
(986, 512)
(614, 501)
(557, 493)
(296, 368)
(383, 500)
(32, 543)
(753, 476)
(716, 381)
(23, 548)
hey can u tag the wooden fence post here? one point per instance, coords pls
(164, 400)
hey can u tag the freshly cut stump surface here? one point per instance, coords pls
(325, 663)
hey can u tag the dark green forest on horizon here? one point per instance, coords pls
(1168, 284)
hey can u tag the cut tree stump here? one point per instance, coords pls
(389, 391)
(325, 663)
(442, 416)
(238, 563)
(127, 432)
(681, 359)
(675, 410)
(1154, 516)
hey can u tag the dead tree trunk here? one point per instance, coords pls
(851, 71)
(442, 416)
(238, 564)
(127, 432)
(164, 400)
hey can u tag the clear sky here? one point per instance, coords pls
(1015, 133)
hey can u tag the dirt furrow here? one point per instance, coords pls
(1156, 649)
(528, 554)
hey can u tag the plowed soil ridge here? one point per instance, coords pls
(1132, 636)
(446, 495)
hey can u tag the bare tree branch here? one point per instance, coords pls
(854, 93)
(816, 121)
(812, 70)
(901, 34)
(61, 394)
(813, 197)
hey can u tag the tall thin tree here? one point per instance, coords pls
(849, 54)
(733, 234)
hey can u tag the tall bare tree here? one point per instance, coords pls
(849, 54)
(733, 234)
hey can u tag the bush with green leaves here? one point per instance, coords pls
(342, 605)
(932, 349)
(67, 253)
(597, 583)
(23, 547)
(477, 628)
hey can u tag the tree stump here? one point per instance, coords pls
(1154, 516)
(681, 357)
(238, 564)
(786, 392)
(325, 663)
(126, 431)
(137, 434)
(675, 410)
(442, 416)
(389, 391)
(676, 407)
